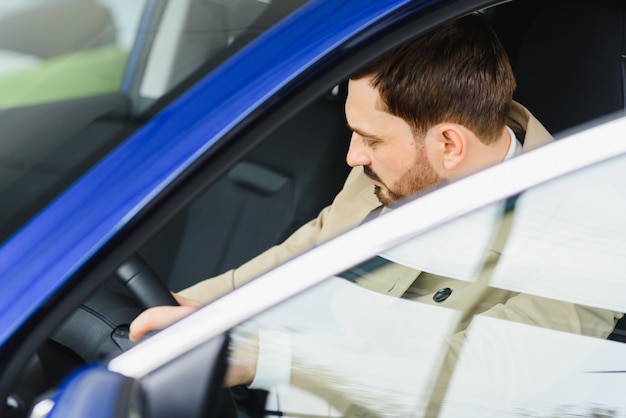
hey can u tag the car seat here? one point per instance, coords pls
(281, 185)
(570, 65)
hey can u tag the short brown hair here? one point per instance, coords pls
(459, 72)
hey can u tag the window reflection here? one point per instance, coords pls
(507, 309)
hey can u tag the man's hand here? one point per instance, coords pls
(160, 317)
(244, 354)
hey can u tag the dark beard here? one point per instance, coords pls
(378, 189)
(387, 199)
(422, 180)
(370, 173)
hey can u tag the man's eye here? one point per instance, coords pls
(368, 142)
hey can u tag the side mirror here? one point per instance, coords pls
(92, 389)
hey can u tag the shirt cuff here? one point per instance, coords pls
(273, 366)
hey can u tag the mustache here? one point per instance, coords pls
(370, 173)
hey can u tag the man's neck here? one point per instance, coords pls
(515, 147)
(485, 155)
(503, 146)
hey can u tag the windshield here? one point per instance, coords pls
(78, 77)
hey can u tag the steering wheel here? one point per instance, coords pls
(150, 291)
(144, 284)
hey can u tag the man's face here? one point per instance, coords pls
(395, 161)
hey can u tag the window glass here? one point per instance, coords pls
(61, 109)
(78, 76)
(508, 310)
(207, 32)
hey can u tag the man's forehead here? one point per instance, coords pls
(365, 111)
(363, 89)
(364, 100)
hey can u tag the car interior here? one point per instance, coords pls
(567, 57)
(548, 60)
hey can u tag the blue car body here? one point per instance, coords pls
(93, 391)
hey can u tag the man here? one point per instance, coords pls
(430, 111)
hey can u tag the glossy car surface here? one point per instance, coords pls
(174, 141)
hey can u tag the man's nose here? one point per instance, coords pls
(357, 152)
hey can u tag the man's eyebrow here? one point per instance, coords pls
(365, 134)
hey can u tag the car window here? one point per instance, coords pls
(105, 68)
(61, 104)
(398, 335)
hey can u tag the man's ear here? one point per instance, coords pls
(453, 145)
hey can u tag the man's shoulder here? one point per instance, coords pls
(527, 128)
(353, 203)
